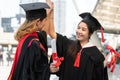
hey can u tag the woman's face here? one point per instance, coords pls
(41, 24)
(82, 32)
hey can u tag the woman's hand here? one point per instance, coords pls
(53, 68)
(107, 59)
(51, 10)
(50, 16)
(50, 20)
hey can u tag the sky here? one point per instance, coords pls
(9, 8)
(74, 8)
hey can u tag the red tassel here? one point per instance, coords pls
(102, 34)
(77, 60)
(114, 64)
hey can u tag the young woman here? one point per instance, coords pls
(82, 59)
(31, 60)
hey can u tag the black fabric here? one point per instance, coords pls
(32, 63)
(34, 6)
(35, 14)
(43, 39)
(91, 63)
(92, 22)
(35, 10)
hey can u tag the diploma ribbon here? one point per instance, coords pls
(114, 57)
(57, 59)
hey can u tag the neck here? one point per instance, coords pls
(83, 42)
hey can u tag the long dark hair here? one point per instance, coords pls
(74, 48)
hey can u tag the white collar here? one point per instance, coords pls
(89, 44)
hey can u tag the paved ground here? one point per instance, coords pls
(116, 74)
(5, 69)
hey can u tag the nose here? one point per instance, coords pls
(78, 30)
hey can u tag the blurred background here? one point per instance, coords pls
(66, 21)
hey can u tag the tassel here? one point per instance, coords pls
(102, 34)
(114, 64)
(77, 60)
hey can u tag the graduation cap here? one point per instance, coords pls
(92, 22)
(35, 10)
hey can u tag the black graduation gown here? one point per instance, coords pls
(33, 61)
(91, 63)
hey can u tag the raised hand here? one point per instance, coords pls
(53, 68)
(50, 3)
(50, 16)
(50, 19)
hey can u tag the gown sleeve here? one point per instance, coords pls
(97, 59)
(101, 72)
(39, 67)
(62, 44)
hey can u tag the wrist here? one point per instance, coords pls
(51, 18)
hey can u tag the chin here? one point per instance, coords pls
(78, 38)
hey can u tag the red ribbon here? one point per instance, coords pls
(102, 34)
(114, 57)
(41, 46)
(77, 60)
(57, 59)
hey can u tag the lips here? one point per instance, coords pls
(79, 35)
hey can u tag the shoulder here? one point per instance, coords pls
(95, 54)
(33, 42)
(63, 38)
(42, 34)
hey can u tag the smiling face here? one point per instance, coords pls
(82, 32)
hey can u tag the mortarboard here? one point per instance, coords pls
(92, 22)
(35, 10)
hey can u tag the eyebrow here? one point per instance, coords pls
(82, 27)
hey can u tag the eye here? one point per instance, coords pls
(78, 27)
(83, 29)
